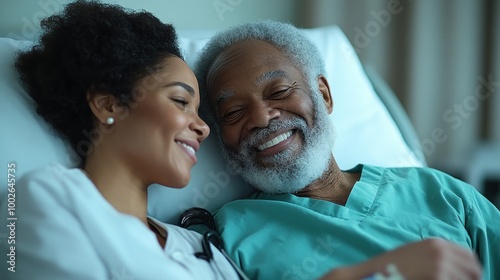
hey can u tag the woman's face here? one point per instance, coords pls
(161, 131)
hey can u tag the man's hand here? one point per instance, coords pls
(429, 259)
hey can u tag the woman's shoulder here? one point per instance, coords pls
(54, 180)
(48, 171)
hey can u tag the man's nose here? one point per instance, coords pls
(260, 115)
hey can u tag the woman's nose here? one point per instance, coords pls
(201, 128)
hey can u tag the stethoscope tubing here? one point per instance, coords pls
(195, 216)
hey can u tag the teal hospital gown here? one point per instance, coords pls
(289, 237)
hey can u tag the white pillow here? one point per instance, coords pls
(365, 131)
(25, 139)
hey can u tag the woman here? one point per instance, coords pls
(114, 84)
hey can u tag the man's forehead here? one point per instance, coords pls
(247, 63)
(253, 61)
(249, 51)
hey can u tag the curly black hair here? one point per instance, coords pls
(91, 46)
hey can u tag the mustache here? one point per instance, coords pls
(259, 134)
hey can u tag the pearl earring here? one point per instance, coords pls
(110, 121)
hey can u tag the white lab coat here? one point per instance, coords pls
(65, 229)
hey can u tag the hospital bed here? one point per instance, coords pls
(371, 127)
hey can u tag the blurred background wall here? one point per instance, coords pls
(442, 58)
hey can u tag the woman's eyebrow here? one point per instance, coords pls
(185, 86)
(270, 75)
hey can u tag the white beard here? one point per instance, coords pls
(286, 174)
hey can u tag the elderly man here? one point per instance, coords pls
(266, 96)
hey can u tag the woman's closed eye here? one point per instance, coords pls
(180, 101)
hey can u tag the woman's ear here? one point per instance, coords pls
(103, 105)
(324, 88)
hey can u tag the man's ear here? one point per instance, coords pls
(324, 88)
(103, 105)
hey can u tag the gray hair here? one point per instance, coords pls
(300, 50)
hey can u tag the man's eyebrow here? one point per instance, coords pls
(187, 87)
(272, 75)
(223, 96)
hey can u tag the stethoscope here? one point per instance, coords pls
(199, 216)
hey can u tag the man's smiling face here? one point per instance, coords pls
(271, 128)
